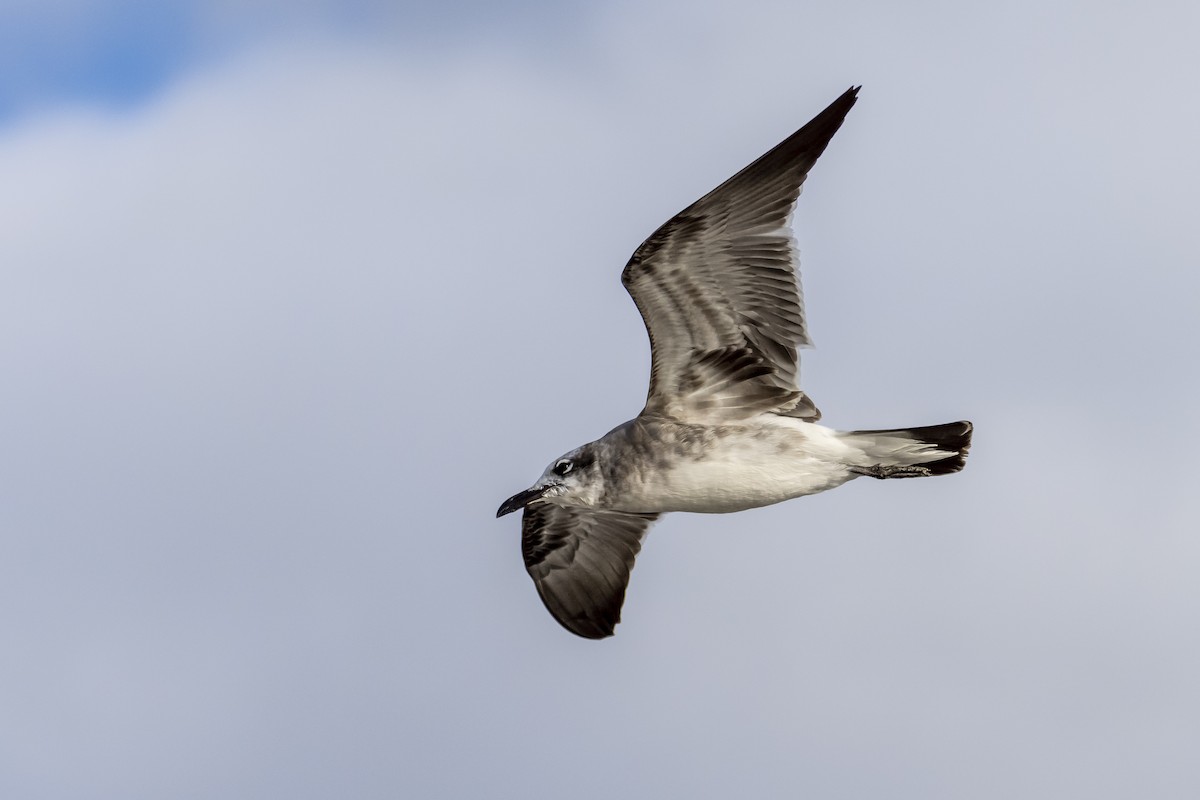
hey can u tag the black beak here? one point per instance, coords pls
(520, 500)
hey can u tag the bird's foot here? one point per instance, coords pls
(881, 472)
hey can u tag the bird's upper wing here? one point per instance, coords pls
(580, 561)
(718, 288)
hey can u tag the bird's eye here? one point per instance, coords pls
(563, 467)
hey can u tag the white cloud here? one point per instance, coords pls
(277, 345)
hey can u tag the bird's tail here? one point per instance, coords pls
(937, 449)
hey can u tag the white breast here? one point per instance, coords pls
(771, 460)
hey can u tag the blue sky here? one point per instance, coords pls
(119, 54)
(293, 299)
(114, 54)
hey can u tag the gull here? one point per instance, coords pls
(726, 426)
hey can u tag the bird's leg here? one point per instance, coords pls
(881, 472)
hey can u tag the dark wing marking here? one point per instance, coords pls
(718, 289)
(580, 561)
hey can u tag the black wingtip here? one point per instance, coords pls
(589, 631)
(591, 626)
(842, 105)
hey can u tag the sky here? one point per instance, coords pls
(295, 294)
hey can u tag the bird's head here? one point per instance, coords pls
(572, 479)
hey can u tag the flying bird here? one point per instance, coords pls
(726, 426)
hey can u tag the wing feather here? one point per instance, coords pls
(580, 561)
(718, 288)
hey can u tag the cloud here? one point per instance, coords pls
(119, 55)
(278, 342)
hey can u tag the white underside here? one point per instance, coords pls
(771, 460)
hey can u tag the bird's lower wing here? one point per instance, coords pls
(580, 561)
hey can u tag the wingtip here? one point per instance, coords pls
(588, 628)
(835, 112)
